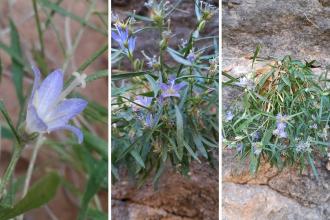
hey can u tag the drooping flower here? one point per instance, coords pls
(48, 110)
(121, 36)
(171, 89)
(131, 44)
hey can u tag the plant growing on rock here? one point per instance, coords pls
(164, 111)
(282, 115)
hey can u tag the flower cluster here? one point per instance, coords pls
(280, 126)
(126, 42)
(304, 146)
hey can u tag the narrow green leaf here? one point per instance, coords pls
(137, 158)
(93, 57)
(153, 83)
(190, 151)
(6, 133)
(178, 57)
(159, 172)
(179, 131)
(0, 70)
(97, 75)
(286, 80)
(120, 76)
(311, 162)
(256, 53)
(198, 142)
(96, 143)
(39, 194)
(12, 53)
(17, 68)
(96, 215)
(62, 11)
(5, 114)
(94, 182)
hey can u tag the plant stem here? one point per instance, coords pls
(10, 169)
(31, 167)
(41, 37)
(31, 164)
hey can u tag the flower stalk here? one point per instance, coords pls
(10, 169)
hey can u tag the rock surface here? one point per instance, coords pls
(177, 197)
(273, 194)
(300, 28)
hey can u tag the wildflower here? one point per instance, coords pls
(142, 101)
(152, 62)
(148, 120)
(131, 44)
(183, 43)
(191, 56)
(142, 115)
(257, 148)
(149, 4)
(313, 126)
(239, 148)
(214, 65)
(207, 10)
(324, 134)
(245, 83)
(171, 89)
(280, 126)
(229, 116)
(48, 110)
(303, 147)
(121, 36)
(255, 136)
(125, 42)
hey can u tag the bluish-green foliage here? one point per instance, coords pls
(164, 112)
(281, 115)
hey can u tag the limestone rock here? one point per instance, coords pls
(247, 202)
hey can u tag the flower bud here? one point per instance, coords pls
(201, 25)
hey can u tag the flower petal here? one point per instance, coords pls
(115, 36)
(33, 122)
(37, 77)
(48, 92)
(166, 94)
(65, 111)
(73, 129)
(179, 86)
(164, 86)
